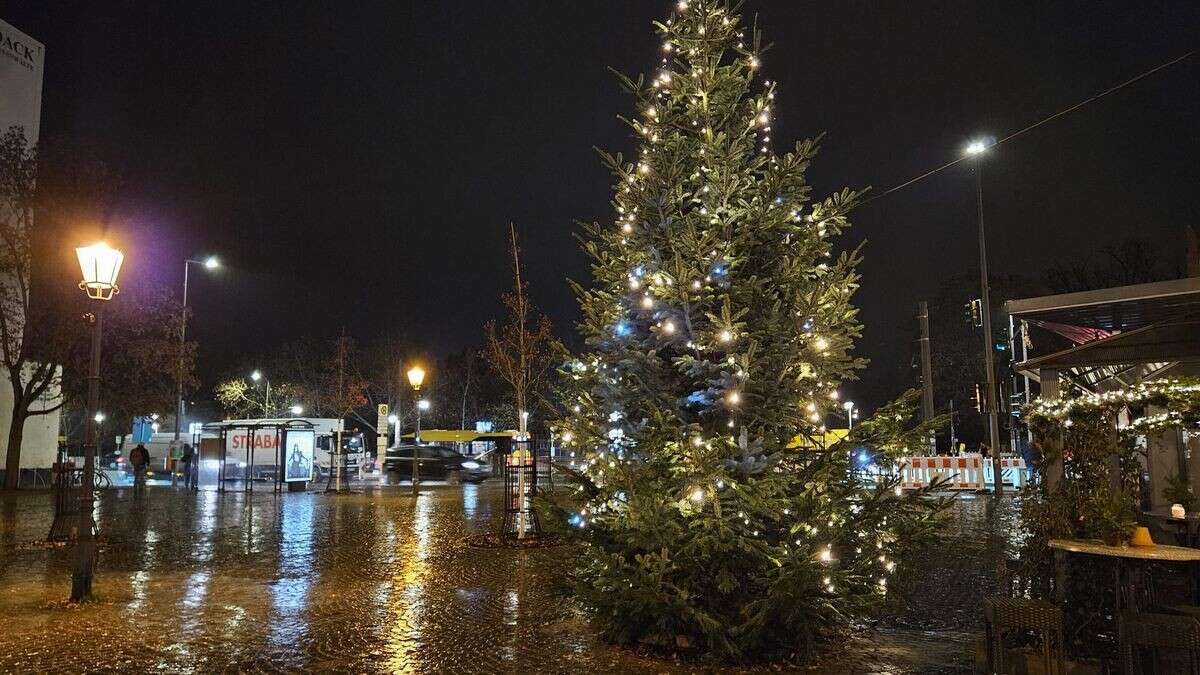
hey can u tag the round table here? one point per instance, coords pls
(1124, 553)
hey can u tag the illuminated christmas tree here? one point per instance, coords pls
(718, 328)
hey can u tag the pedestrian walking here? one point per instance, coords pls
(188, 458)
(139, 458)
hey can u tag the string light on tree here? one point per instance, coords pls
(710, 389)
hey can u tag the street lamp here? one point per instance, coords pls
(210, 263)
(848, 406)
(977, 149)
(394, 420)
(256, 376)
(297, 410)
(416, 377)
(100, 265)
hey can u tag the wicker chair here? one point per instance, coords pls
(1158, 631)
(1004, 614)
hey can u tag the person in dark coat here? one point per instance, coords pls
(189, 464)
(139, 459)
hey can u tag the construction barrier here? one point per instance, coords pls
(1012, 469)
(960, 473)
(968, 472)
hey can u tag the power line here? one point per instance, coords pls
(1035, 125)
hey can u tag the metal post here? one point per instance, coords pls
(416, 447)
(926, 363)
(85, 548)
(179, 371)
(988, 356)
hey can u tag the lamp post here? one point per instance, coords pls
(256, 376)
(976, 149)
(394, 420)
(210, 263)
(851, 413)
(100, 265)
(416, 377)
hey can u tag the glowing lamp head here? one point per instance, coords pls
(848, 405)
(297, 410)
(416, 376)
(256, 376)
(975, 148)
(211, 262)
(100, 264)
(392, 419)
(423, 404)
(99, 417)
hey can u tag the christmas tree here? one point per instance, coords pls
(718, 327)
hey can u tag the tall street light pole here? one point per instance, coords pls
(100, 265)
(416, 376)
(976, 150)
(848, 406)
(255, 377)
(210, 263)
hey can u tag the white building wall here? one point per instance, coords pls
(22, 62)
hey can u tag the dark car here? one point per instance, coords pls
(435, 462)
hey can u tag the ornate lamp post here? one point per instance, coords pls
(416, 377)
(100, 265)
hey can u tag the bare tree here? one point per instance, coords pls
(35, 341)
(518, 352)
(1132, 261)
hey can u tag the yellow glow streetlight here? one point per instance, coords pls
(100, 265)
(416, 376)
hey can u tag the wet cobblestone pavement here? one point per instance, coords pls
(380, 582)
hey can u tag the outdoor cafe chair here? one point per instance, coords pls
(1003, 614)
(1158, 631)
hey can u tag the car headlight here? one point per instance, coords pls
(470, 465)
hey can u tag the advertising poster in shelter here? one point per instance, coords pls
(298, 457)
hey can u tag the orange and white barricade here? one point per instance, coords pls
(1013, 470)
(959, 473)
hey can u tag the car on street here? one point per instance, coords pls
(435, 462)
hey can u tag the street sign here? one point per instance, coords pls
(381, 430)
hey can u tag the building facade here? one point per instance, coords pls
(22, 62)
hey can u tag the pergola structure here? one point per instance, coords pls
(1119, 337)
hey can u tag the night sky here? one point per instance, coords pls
(356, 164)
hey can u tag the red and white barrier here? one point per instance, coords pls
(968, 472)
(1012, 469)
(960, 473)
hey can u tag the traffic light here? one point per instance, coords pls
(975, 308)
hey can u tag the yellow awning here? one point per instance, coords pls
(460, 435)
(831, 436)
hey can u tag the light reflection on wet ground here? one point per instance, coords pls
(378, 582)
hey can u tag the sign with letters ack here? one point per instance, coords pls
(21, 62)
